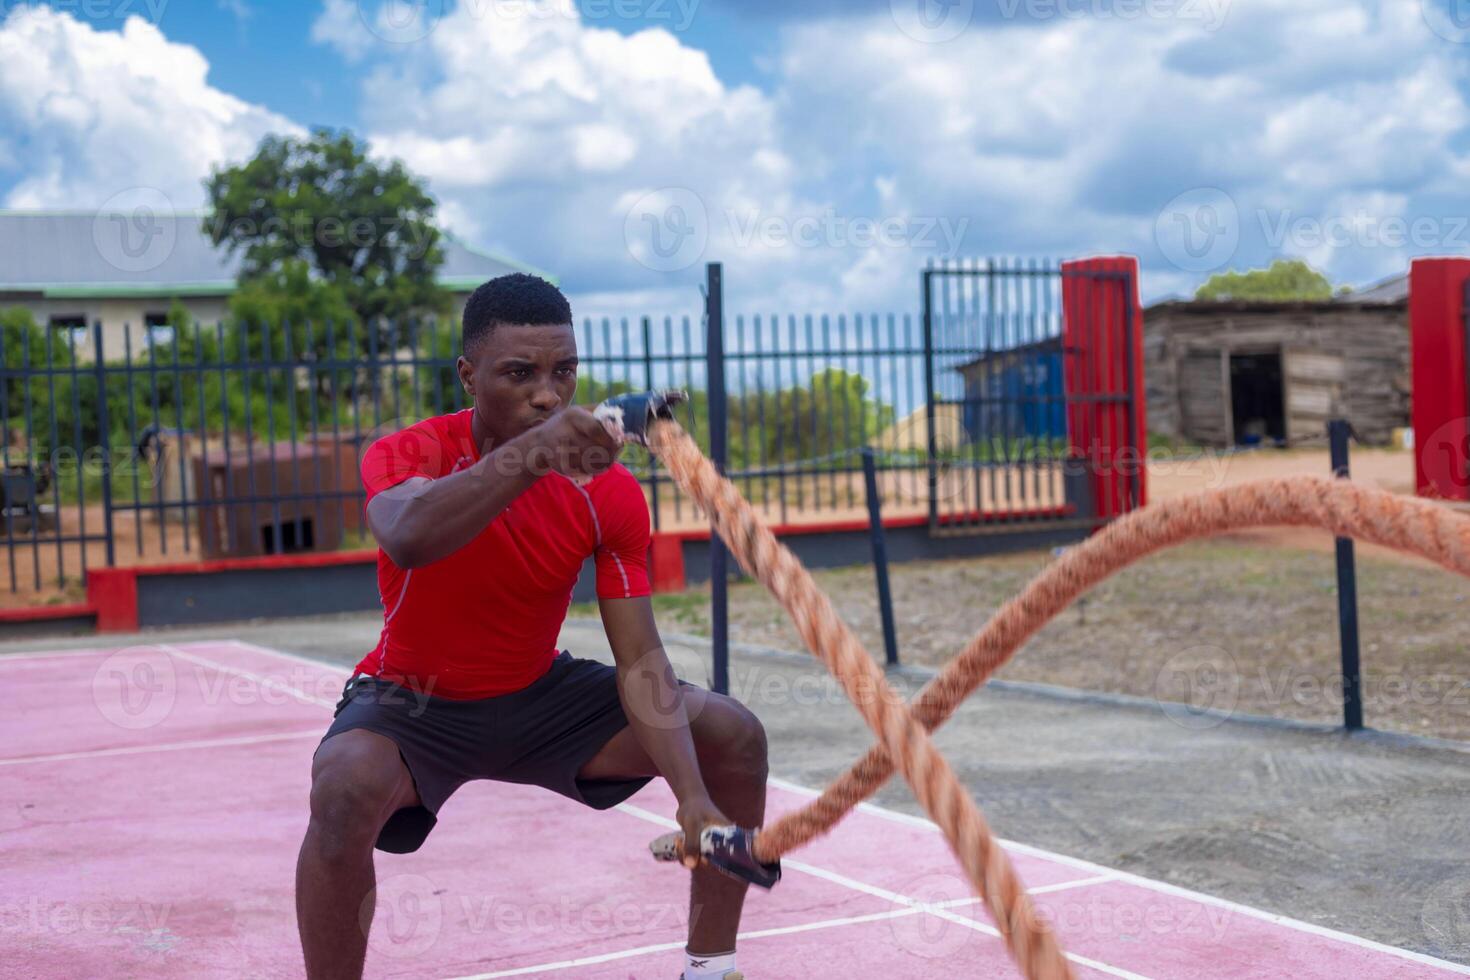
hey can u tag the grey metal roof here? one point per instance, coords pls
(1394, 289)
(99, 253)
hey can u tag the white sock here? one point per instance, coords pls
(711, 967)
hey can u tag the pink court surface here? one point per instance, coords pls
(154, 798)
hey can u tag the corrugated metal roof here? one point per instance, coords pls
(68, 251)
(1394, 289)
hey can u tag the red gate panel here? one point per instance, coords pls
(1102, 335)
(1441, 398)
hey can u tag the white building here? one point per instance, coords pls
(73, 269)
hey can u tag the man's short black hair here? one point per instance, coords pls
(516, 298)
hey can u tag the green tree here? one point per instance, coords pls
(833, 412)
(360, 226)
(1284, 281)
(26, 404)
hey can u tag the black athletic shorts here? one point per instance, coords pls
(541, 735)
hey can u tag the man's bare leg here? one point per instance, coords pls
(357, 781)
(731, 746)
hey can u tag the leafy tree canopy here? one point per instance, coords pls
(363, 227)
(1284, 281)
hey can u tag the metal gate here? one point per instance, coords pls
(1032, 375)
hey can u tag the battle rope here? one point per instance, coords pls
(1415, 526)
(1407, 524)
(1031, 941)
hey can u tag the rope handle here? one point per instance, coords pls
(729, 850)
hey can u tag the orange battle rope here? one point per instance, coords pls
(1345, 509)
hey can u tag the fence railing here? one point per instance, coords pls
(234, 439)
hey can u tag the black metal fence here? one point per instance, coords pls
(241, 439)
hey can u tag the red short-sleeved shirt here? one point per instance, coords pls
(485, 620)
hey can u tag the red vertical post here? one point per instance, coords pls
(1102, 335)
(666, 558)
(1441, 391)
(113, 592)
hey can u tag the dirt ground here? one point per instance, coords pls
(1244, 623)
(1222, 624)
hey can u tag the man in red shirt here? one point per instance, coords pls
(483, 520)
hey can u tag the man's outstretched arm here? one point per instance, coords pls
(420, 520)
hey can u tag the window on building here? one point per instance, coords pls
(157, 330)
(75, 327)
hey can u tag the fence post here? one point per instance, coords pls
(648, 386)
(931, 439)
(719, 559)
(880, 556)
(1347, 593)
(104, 434)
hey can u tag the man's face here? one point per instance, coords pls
(519, 376)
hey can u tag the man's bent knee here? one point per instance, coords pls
(742, 743)
(358, 781)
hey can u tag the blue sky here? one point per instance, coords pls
(823, 150)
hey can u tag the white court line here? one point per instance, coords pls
(890, 914)
(1159, 886)
(270, 683)
(938, 910)
(623, 954)
(201, 743)
(245, 645)
(1096, 869)
(9, 658)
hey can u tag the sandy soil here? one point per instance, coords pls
(1246, 622)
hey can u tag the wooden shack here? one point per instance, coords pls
(1238, 373)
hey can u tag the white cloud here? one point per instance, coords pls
(1057, 138)
(539, 131)
(88, 115)
(1067, 136)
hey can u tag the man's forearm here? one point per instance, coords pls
(441, 516)
(655, 707)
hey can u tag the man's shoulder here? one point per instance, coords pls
(617, 486)
(430, 447)
(617, 478)
(441, 427)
